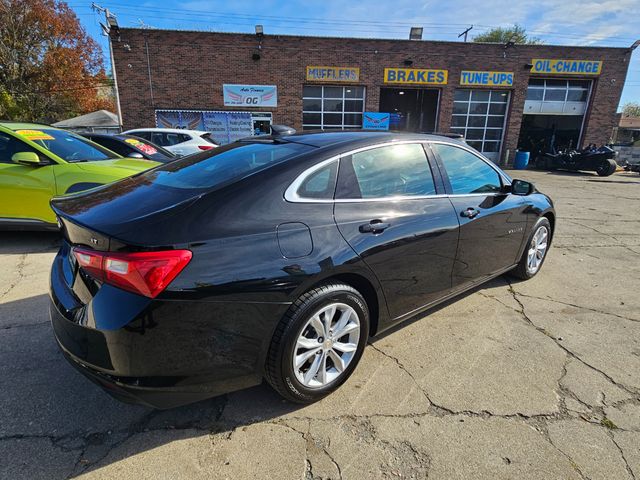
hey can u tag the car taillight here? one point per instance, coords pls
(206, 147)
(144, 273)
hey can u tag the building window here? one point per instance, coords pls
(479, 116)
(557, 97)
(336, 108)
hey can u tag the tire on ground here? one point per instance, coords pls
(279, 371)
(520, 271)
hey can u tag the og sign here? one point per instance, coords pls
(250, 95)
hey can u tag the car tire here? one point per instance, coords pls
(606, 168)
(526, 268)
(314, 345)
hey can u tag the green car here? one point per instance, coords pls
(38, 162)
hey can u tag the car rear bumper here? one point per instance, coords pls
(161, 353)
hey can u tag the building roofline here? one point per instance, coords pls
(377, 39)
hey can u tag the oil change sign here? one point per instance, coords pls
(566, 67)
(489, 79)
(420, 76)
(250, 95)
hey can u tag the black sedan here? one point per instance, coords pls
(132, 147)
(277, 258)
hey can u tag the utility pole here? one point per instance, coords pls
(465, 33)
(111, 24)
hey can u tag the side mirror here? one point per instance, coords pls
(135, 155)
(522, 187)
(26, 158)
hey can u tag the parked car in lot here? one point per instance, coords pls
(278, 257)
(38, 162)
(176, 140)
(132, 147)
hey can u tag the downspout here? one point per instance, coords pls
(146, 47)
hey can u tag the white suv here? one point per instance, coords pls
(176, 140)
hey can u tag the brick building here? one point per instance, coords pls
(500, 97)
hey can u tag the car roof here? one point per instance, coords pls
(25, 125)
(352, 137)
(166, 130)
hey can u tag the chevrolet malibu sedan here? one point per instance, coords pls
(277, 258)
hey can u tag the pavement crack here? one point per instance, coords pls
(19, 270)
(624, 459)
(582, 307)
(525, 316)
(405, 370)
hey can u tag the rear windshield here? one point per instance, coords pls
(215, 167)
(67, 145)
(207, 137)
(154, 152)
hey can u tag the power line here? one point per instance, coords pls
(188, 15)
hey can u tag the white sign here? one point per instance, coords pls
(250, 95)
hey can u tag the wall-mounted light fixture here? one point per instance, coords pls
(528, 66)
(407, 62)
(415, 33)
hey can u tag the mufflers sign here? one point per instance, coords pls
(419, 76)
(333, 74)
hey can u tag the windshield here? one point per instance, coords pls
(66, 145)
(213, 168)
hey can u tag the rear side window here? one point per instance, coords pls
(321, 184)
(215, 167)
(467, 172)
(394, 170)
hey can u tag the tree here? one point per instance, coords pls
(631, 109)
(516, 34)
(50, 69)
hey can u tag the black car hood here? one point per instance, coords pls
(127, 209)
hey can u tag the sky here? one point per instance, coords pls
(613, 23)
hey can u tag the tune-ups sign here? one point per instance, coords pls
(250, 95)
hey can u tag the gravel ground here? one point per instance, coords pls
(534, 380)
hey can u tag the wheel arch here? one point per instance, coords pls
(551, 216)
(363, 285)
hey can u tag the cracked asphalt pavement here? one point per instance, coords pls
(535, 380)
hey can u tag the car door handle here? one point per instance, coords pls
(470, 212)
(374, 226)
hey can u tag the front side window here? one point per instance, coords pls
(332, 108)
(10, 145)
(66, 145)
(394, 170)
(468, 174)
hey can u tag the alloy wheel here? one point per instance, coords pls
(326, 345)
(537, 249)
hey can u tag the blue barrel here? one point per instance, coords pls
(522, 160)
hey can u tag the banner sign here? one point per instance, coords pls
(376, 121)
(333, 74)
(420, 76)
(250, 95)
(566, 67)
(489, 79)
(179, 119)
(227, 127)
(240, 125)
